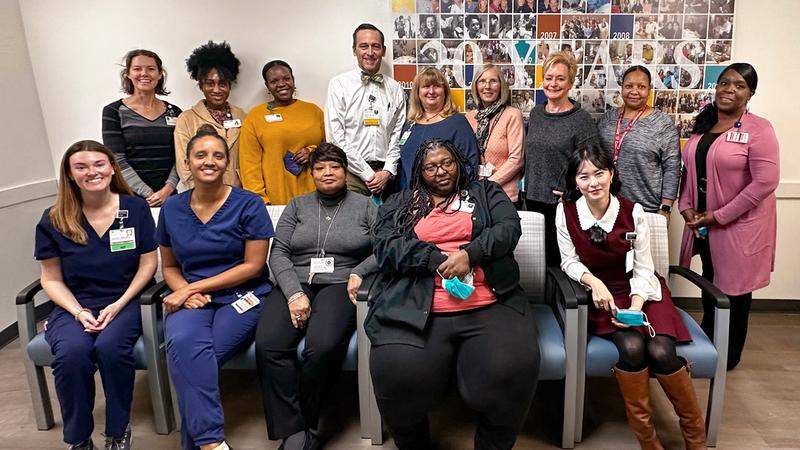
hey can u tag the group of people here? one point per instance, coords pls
(418, 195)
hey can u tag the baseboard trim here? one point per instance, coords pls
(760, 305)
(10, 333)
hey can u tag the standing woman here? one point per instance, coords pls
(97, 252)
(728, 199)
(330, 224)
(644, 145)
(555, 130)
(448, 302)
(499, 129)
(213, 241)
(278, 138)
(433, 114)
(215, 68)
(139, 128)
(593, 238)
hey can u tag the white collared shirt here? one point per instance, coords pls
(643, 282)
(348, 99)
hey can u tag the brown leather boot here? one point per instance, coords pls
(680, 391)
(635, 387)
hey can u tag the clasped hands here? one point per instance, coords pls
(455, 266)
(602, 299)
(92, 324)
(185, 297)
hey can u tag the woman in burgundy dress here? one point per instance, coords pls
(604, 242)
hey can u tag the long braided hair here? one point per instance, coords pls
(420, 203)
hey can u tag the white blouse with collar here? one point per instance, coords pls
(644, 282)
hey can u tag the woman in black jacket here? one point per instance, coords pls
(448, 301)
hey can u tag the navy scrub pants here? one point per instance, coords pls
(199, 341)
(78, 354)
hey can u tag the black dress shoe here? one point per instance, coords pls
(87, 445)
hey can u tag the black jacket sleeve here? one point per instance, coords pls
(501, 230)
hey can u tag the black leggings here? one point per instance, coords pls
(739, 312)
(292, 389)
(637, 352)
(494, 355)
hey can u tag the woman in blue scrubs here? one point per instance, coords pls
(213, 241)
(97, 252)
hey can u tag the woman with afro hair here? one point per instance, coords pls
(214, 67)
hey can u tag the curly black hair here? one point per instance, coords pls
(213, 56)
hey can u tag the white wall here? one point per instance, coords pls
(26, 186)
(75, 48)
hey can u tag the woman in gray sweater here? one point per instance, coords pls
(644, 144)
(321, 252)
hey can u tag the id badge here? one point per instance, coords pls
(172, 121)
(466, 207)
(322, 265)
(232, 123)
(371, 117)
(485, 170)
(245, 302)
(404, 137)
(122, 239)
(629, 261)
(737, 137)
(272, 118)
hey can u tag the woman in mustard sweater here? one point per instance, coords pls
(277, 138)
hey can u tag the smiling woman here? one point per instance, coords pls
(139, 128)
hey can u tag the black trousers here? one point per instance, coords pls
(740, 310)
(492, 352)
(291, 389)
(551, 254)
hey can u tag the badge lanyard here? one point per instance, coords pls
(737, 135)
(321, 249)
(618, 137)
(122, 214)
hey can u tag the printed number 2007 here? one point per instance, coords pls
(621, 35)
(547, 35)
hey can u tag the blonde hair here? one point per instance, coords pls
(429, 77)
(65, 215)
(564, 58)
(505, 91)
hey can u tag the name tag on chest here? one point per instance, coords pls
(322, 265)
(122, 239)
(172, 121)
(245, 302)
(272, 118)
(371, 117)
(738, 137)
(232, 123)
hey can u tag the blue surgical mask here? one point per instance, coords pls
(457, 288)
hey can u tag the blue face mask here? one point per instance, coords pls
(457, 288)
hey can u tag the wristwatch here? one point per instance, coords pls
(665, 208)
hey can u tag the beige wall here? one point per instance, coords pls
(26, 186)
(75, 48)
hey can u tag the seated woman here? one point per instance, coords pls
(322, 251)
(448, 302)
(433, 114)
(215, 68)
(213, 241)
(97, 252)
(604, 242)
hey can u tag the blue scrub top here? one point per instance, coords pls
(455, 129)
(205, 250)
(95, 275)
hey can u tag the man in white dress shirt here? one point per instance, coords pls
(364, 115)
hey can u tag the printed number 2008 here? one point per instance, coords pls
(621, 35)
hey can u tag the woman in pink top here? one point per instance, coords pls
(728, 199)
(500, 130)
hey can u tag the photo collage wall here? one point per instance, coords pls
(684, 43)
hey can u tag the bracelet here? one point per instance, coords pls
(77, 314)
(294, 297)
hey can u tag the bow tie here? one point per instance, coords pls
(377, 78)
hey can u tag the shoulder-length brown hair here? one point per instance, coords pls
(65, 215)
(127, 84)
(428, 77)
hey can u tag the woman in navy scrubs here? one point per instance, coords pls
(97, 252)
(213, 241)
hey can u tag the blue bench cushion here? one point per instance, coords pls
(246, 360)
(601, 354)
(40, 354)
(553, 362)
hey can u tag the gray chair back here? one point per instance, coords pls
(530, 255)
(659, 243)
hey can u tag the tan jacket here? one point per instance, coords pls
(188, 123)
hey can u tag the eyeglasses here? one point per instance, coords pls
(492, 82)
(431, 169)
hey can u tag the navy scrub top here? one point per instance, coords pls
(96, 276)
(205, 250)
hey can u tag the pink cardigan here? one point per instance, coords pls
(504, 149)
(742, 179)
